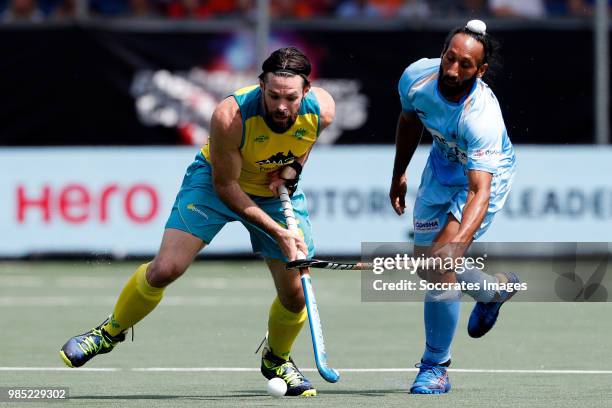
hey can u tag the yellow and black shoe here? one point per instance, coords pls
(80, 349)
(273, 366)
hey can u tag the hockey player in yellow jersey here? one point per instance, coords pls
(260, 138)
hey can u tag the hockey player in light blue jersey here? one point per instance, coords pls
(466, 181)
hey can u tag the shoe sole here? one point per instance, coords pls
(428, 391)
(65, 359)
(309, 393)
(420, 391)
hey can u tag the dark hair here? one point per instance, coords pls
(287, 61)
(491, 47)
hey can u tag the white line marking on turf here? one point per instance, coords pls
(203, 300)
(16, 281)
(97, 282)
(198, 369)
(56, 369)
(372, 370)
(474, 370)
(345, 370)
(85, 282)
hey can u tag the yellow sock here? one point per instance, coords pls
(283, 328)
(137, 299)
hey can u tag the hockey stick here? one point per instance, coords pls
(321, 264)
(316, 330)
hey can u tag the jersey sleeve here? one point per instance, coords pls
(403, 87)
(411, 74)
(484, 133)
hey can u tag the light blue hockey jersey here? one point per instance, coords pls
(469, 135)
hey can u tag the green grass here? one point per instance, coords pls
(216, 315)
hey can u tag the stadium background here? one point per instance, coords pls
(105, 103)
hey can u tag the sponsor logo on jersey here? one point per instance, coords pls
(426, 226)
(192, 207)
(485, 153)
(278, 159)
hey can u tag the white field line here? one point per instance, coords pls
(345, 370)
(41, 369)
(97, 282)
(19, 281)
(203, 300)
(375, 370)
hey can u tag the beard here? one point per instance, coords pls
(278, 121)
(454, 89)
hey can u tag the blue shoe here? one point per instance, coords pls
(80, 349)
(431, 379)
(484, 315)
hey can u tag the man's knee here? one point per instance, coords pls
(164, 271)
(292, 299)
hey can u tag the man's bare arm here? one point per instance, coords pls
(477, 203)
(327, 108)
(407, 138)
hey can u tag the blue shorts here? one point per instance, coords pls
(199, 211)
(435, 201)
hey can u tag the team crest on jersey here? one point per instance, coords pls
(450, 149)
(261, 138)
(300, 133)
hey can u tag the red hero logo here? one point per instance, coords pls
(77, 203)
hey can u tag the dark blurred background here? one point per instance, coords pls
(148, 72)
